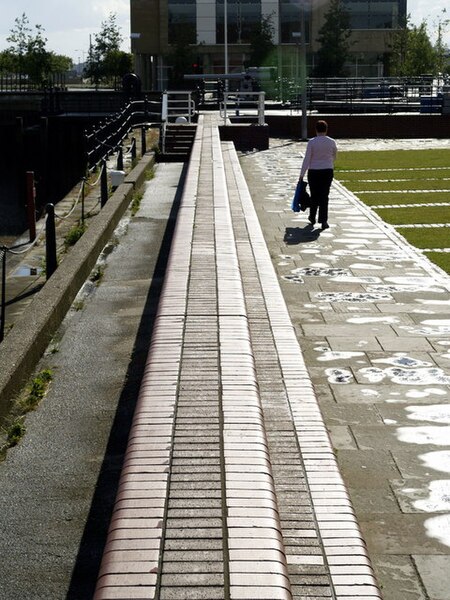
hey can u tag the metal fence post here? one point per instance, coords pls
(103, 184)
(83, 193)
(133, 148)
(143, 141)
(3, 302)
(31, 205)
(119, 165)
(51, 261)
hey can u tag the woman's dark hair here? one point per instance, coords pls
(321, 126)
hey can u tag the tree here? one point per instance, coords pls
(334, 42)
(261, 43)
(413, 54)
(106, 62)
(441, 50)
(28, 54)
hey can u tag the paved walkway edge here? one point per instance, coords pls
(395, 236)
(26, 342)
(344, 547)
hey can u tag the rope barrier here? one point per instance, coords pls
(130, 148)
(98, 178)
(31, 244)
(63, 218)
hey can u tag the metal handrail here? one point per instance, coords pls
(232, 101)
(177, 104)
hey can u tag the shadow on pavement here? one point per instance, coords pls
(300, 235)
(87, 565)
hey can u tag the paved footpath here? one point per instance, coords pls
(256, 505)
(373, 320)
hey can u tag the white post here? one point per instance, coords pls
(261, 98)
(225, 102)
(164, 109)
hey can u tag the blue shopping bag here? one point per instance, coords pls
(301, 199)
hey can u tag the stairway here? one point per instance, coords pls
(178, 142)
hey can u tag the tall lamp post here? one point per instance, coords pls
(225, 39)
(304, 132)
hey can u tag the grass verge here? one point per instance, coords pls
(14, 427)
(390, 198)
(409, 216)
(425, 175)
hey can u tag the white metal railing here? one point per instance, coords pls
(177, 104)
(243, 105)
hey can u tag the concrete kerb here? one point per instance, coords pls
(26, 342)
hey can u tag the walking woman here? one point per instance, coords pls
(319, 160)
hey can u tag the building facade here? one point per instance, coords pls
(158, 25)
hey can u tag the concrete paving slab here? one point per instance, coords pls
(374, 284)
(433, 571)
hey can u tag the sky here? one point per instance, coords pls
(68, 23)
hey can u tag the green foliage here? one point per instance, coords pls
(136, 202)
(74, 234)
(28, 54)
(29, 400)
(262, 48)
(37, 391)
(334, 42)
(413, 53)
(443, 65)
(106, 62)
(15, 432)
(97, 275)
(181, 58)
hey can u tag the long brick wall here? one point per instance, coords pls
(366, 126)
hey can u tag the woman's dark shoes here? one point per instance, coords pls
(312, 221)
(325, 226)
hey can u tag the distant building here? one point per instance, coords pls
(156, 25)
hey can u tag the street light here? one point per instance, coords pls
(304, 132)
(225, 38)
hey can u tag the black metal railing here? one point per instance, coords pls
(20, 82)
(372, 94)
(106, 137)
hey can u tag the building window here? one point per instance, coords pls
(290, 20)
(243, 15)
(374, 14)
(182, 21)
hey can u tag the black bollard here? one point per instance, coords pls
(3, 302)
(51, 261)
(143, 141)
(103, 184)
(119, 165)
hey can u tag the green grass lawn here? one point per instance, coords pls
(427, 238)
(389, 198)
(381, 171)
(394, 184)
(440, 259)
(393, 159)
(410, 216)
(416, 174)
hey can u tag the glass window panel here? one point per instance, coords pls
(242, 16)
(290, 16)
(182, 21)
(373, 14)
